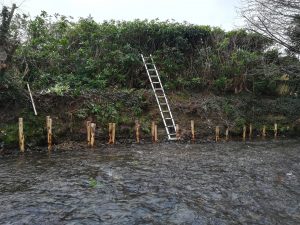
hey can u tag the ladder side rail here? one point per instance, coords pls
(164, 93)
(171, 116)
(153, 88)
(168, 106)
(166, 101)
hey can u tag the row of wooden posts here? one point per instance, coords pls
(263, 132)
(91, 130)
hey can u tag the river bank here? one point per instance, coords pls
(70, 113)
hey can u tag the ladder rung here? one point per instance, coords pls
(161, 96)
(151, 69)
(171, 126)
(158, 89)
(169, 118)
(163, 103)
(153, 76)
(155, 82)
(167, 111)
(172, 134)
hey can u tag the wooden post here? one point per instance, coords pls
(88, 132)
(155, 134)
(92, 134)
(217, 133)
(21, 135)
(227, 134)
(113, 133)
(177, 132)
(250, 131)
(153, 131)
(137, 131)
(49, 133)
(244, 132)
(264, 134)
(193, 130)
(47, 120)
(275, 130)
(31, 98)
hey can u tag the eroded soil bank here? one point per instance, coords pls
(70, 113)
(231, 183)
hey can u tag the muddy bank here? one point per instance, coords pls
(70, 113)
(232, 183)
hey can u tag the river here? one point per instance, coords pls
(215, 184)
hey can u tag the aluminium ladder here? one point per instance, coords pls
(160, 96)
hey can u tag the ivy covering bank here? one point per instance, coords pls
(59, 55)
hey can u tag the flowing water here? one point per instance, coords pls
(231, 183)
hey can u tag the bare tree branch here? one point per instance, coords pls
(275, 19)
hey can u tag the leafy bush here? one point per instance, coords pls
(220, 84)
(59, 89)
(71, 56)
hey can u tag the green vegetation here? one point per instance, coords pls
(32, 130)
(87, 70)
(93, 183)
(60, 56)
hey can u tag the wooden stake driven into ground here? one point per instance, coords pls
(227, 134)
(155, 134)
(250, 131)
(264, 134)
(193, 130)
(47, 119)
(153, 131)
(49, 132)
(217, 133)
(137, 131)
(93, 131)
(244, 132)
(177, 132)
(21, 135)
(88, 132)
(275, 130)
(112, 133)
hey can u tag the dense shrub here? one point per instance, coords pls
(62, 55)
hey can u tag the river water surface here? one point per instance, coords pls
(231, 183)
